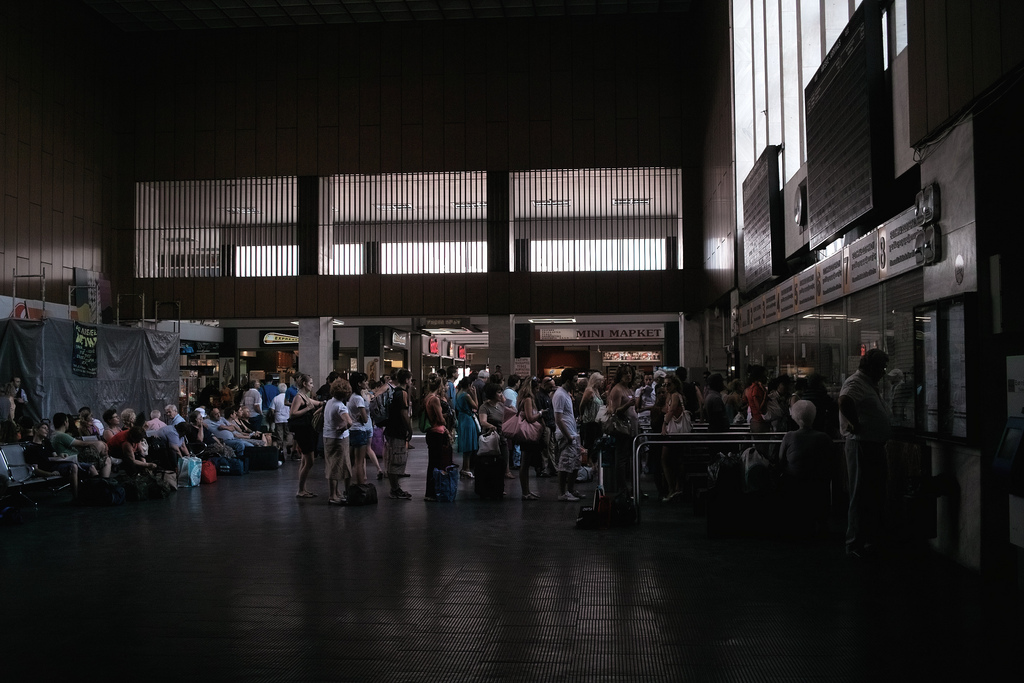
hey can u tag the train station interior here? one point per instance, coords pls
(274, 187)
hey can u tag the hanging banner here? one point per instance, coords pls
(83, 350)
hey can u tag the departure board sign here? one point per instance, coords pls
(807, 289)
(862, 263)
(829, 278)
(849, 128)
(771, 305)
(764, 236)
(897, 242)
(787, 298)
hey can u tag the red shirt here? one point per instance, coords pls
(756, 399)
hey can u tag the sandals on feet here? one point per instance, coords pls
(531, 496)
(305, 494)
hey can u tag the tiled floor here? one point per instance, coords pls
(239, 581)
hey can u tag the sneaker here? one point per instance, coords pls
(568, 497)
(399, 494)
(430, 499)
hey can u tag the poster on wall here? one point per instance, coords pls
(83, 350)
(371, 365)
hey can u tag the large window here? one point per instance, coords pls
(595, 220)
(409, 223)
(216, 228)
(403, 223)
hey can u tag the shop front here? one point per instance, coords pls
(600, 347)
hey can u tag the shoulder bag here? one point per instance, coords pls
(679, 425)
(520, 431)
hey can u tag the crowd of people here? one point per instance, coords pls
(350, 420)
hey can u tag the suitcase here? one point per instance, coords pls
(231, 466)
(598, 515)
(361, 494)
(489, 476)
(263, 457)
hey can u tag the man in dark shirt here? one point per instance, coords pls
(714, 405)
(397, 431)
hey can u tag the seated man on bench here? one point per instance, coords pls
(93, 452)
(41, 454)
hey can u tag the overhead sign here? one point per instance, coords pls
(435, 347)
(627, 356)
(771, 306)
(862, 263)
(399, 339)
(897, 240)
(596, 334)
(268, 338)
(828, 281)
(787, 298)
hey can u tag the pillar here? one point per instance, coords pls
(316, 346)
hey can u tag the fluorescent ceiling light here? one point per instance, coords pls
(469, 205)
(393, 207)
(337, 322)
(550, 202)
(243, 210)
(630, 202)
(548, 321)
(830, 316)
(436, 331)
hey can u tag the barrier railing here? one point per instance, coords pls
(744, 438)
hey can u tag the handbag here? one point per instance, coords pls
(489, 443)
(518, 430)
(617, 425)
(679, 425)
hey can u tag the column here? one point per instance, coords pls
(316, 346)
(500, 343)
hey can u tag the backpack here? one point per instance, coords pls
(380, 407)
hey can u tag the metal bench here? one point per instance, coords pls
(21, 475)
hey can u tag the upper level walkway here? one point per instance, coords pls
(239, 581)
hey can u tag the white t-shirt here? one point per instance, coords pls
(281, 410)
(354, 404)
(333, 412)
(561, 402)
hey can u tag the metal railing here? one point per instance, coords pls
(744, 438)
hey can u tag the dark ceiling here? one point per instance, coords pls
(173, 15)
